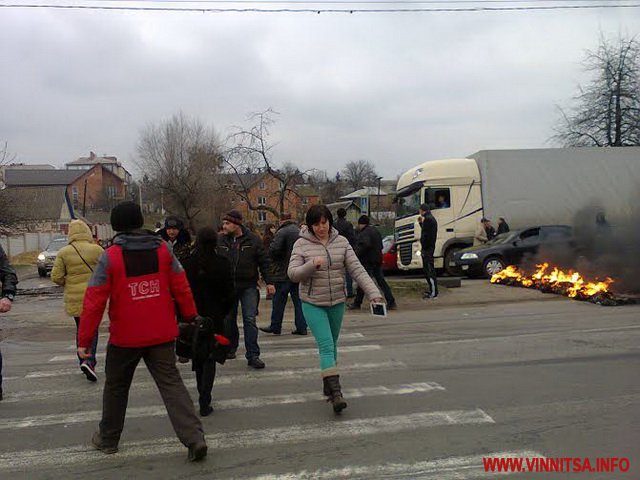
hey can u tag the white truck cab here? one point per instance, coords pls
(451, 188)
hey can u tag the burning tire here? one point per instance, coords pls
(493, 265)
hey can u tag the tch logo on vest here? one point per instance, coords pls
(144, 290)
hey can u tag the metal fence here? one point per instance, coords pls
(26, 242)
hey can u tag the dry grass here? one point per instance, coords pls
(26, 258)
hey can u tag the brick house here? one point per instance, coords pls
(96, 188)
(264, 189)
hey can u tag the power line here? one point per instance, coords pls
(318, 10)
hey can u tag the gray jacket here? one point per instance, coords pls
(324, 287)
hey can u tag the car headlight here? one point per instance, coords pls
(469, 256)
(418, 253)
(41, 257)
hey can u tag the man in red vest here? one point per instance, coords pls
(143, 281)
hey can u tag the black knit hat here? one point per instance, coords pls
(233, 216)
(126, 216)
(363, 220)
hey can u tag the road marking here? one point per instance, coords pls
(228, 404)
(221, 379)
(299, 352)
(59, 457)
(452, 468)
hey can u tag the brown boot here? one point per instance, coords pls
(337, 401)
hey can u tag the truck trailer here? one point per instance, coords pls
(526, 187)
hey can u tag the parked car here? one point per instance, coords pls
(389, 254)
(509, 249)
(48, 256)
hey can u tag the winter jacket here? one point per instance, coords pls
(181, 246)
(212, 287)
(480, 235)
(503, 228)
(325, 286)
(246, 255)
(369, 246)
(70, 271)
(428, 233)
(281, 248)
(143, 281)
(344, 228)
(8, 277)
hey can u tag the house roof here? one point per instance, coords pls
(365, 192)
(37, 202)
(347, 204)
(306, 190)
(44, 177)
(27, 166)
(93, 159)
(246, 179)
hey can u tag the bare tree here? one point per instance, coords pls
(249, 151)
(181, 157)
(606, 111)
(7, 215)
(359, 173)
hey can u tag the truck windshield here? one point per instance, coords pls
(408, 203)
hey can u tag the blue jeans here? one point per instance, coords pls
(283, 289)
(94, 345)
(248, 298)
(349, 284)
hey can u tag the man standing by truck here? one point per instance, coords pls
(428, 237)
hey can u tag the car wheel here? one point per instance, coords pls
(452, 271)
(493, 265)
(42, 272)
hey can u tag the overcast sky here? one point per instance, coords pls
(396, 89)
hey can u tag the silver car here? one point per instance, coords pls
(46, 258)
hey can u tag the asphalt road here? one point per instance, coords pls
(431, 392)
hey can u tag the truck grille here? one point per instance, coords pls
(405, 233)
(406, 253)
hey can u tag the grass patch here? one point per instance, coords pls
(26, 258)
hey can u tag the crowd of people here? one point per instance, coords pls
(158, 282)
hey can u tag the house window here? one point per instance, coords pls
(262, 200)
(262, 217)
(75, 195)
(111, 191)
(305, 201)
(263, 185)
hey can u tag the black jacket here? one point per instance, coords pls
(503, 228)
(8, 276)
(429, 233)
(246, 255)
(211, 285)
(369, 246)
(344, 228)
(182, 246)
(281, 248)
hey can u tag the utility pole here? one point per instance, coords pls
(378, 203)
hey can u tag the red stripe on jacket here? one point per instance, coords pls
(141, 309)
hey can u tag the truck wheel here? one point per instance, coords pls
(42, 272)
(448, 256)
(493, 265)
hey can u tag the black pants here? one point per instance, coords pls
(160, 360)
(375, 272)
(430, 273)
(205, 376)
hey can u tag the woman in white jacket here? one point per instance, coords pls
(318, 262)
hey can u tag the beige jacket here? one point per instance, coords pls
(480, 235)
(70, 271)
(325, 287)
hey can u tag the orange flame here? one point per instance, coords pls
(568, 283)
